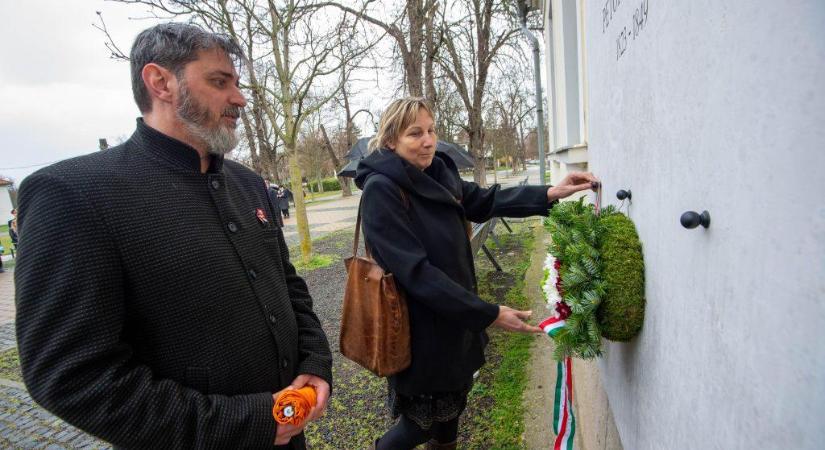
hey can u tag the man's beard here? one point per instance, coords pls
(219, 139)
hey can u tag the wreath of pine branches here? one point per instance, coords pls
(576, 232)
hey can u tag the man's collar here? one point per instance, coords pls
(172, 150)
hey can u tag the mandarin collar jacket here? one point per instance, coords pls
(156, 305)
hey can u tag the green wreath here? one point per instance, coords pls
(601, 277)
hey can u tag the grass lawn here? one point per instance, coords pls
(5, 239)
(495, 411)
(10, 366)
(494, 418)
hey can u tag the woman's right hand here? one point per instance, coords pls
(572, 183)
(513, 320)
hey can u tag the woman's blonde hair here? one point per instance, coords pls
(396, 118)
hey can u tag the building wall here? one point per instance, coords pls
(5, 205)
(718, 106)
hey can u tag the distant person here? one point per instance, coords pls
(13, 234)
(156, 303)
(283, 202)
(272, 193)
(414, 209)
(289, 195)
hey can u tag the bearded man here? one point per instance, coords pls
(156, 304)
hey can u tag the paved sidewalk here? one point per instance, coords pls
(324, 218)
(23, 424)
(7, 296)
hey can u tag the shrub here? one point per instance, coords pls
(329, 184)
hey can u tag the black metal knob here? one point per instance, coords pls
(692, 219)
(624, 194)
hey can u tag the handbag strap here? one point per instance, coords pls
(355, 239)
(357, 230)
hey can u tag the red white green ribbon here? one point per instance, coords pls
(564, 421)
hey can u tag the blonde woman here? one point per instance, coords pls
(420, 237)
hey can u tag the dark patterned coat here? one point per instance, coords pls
(424, 244)
(154, 308)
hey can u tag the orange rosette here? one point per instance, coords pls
(293, 406)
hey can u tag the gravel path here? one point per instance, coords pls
(357, 413)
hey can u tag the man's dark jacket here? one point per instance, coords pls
(154, 309)
(423, 242)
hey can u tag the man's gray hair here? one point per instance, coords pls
(172, 46)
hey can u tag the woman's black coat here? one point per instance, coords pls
(423, 242)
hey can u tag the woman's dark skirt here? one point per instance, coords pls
(427, 409)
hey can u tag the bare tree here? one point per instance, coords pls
(343, 100)
(472, 41)
(415, 35)
(229, 18)
(303, 56)
(346, 189)
(449, 111)
(313, 157)
(293, 42)
(512, 110)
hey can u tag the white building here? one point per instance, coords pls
(5, 200)
(714, 106)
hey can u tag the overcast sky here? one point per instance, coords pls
(59, 91)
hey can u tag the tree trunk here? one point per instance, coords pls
(477, 150)
(346, 191)
(430, 48)
(300, 205)
(412, 61)
(248, 129)
(476, 132)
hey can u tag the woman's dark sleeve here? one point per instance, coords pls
(482, 204)
(395, 246)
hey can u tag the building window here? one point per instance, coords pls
(563, 41)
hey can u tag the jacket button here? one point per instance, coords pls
(272, 318)
(232, 227)
(284, 363)
(216, 184)
(252, 274)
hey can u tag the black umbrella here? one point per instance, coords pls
(359, 150)
(349, 169)
(461, 158)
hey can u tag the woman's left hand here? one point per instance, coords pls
(572, 183)
(513, 320)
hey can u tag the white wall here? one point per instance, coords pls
(5, 205)
(718, 106)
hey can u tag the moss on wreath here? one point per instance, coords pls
(622, 310)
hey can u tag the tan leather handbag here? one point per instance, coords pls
(375, 323)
